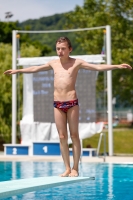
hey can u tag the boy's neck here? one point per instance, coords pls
(64, 60)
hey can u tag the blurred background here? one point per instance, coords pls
(51, 15)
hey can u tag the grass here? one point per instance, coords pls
(122, 138)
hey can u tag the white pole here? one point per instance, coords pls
(14, 104)
(109, 86)
(81, 154)
(62, 31)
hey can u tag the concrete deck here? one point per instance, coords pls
(108, 159)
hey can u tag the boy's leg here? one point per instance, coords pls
(61, 124)
(73, 121)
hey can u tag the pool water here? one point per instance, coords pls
(112, 181)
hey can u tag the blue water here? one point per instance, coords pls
(112, 181)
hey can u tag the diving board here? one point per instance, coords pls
(21, 186)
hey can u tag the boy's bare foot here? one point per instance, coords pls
(74, 173)
(66, 173)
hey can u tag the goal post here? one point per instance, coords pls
(109, 77)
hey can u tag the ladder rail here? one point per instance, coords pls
(104, 145)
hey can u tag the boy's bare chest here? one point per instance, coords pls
(64, 72)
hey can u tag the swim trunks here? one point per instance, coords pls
(65, 105)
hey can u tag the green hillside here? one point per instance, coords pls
(54, 22)
(45, 23)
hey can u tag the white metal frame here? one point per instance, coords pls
(109, 77)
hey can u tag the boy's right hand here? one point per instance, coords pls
(11, 71)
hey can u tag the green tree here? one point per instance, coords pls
(5, 92)
(119, 15)
(6, 87)
(6, 31)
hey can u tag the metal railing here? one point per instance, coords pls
(104, 146)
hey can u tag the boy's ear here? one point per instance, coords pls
(71, 49)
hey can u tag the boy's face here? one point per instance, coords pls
(62, 49)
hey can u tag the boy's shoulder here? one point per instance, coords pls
(79, 61)
(54, 61)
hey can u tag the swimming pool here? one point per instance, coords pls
(113, 181)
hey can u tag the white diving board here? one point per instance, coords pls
(21, 186)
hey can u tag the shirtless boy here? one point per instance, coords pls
(66, 107)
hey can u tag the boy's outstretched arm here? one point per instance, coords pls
(29, 69)
(102, 67)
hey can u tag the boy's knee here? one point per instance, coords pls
(74, 136)
(62, 136)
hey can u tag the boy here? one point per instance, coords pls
(66, 107)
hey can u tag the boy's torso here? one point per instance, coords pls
(64, 79)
